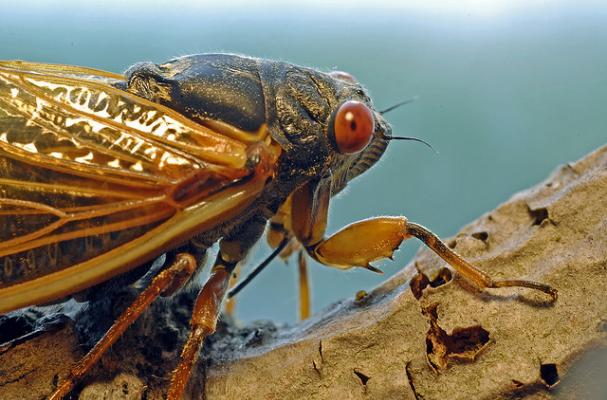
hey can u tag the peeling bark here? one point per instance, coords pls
(434, 339)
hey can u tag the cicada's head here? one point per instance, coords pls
(330, 125)
(357, 133)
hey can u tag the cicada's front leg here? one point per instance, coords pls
(369, 240)
(372, 239)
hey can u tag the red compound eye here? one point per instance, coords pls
(352, 127)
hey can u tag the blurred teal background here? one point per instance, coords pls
(508, 90)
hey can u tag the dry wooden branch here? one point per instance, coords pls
(437, 338)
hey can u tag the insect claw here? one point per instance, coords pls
(374, 269)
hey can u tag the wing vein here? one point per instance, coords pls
(89, 231)
(93, 170)
(69, 189)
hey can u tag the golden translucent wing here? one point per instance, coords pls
(101, 129)
(86, 168)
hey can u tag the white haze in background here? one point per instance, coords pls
(469, 8)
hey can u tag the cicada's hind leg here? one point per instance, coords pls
(208, 302)
(165, 283)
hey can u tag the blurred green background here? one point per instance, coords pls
(508, 90)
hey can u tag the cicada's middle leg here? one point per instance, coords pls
(207, 306)
(304, 286)
(230, 307)
(279, 231)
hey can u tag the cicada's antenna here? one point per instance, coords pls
(402, 103)
(412, 139)
(395, 106)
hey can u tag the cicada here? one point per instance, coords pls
(101, 173)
